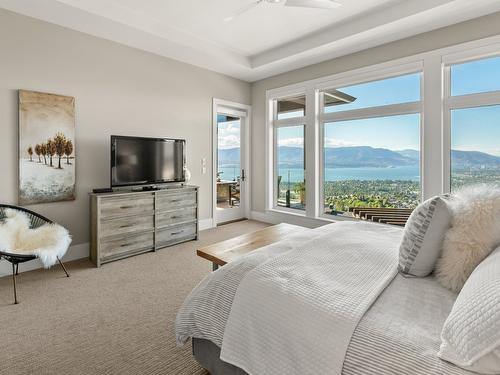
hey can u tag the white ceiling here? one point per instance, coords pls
(268, 39)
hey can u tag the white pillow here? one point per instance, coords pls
(474, 233)
(423, 236)
(471, 333)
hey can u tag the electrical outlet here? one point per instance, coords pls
(203, 165)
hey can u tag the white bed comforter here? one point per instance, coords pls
(296, 313)
(399, 334)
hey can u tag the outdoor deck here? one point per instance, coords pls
(394, 216)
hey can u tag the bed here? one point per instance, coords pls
(249, 317)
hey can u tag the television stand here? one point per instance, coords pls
(126, 223)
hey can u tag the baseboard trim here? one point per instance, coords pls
(206, 224)
(74, 252)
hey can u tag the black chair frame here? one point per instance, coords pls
(36, 220)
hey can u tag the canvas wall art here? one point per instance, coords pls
(46, 147)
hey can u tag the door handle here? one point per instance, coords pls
(242, 175)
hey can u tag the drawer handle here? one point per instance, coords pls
(175, 217)
(175, 233)
(125, 244)
(125, 207)
(175, 200)
(125, 226)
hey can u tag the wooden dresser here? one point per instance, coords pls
(127, 223)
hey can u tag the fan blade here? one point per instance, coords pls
(322, 4)
(242, 10)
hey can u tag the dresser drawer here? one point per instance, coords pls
(127, 245)
(166, 236)
(165, 201)
(126, 205)
(171, 218)
(126, 225)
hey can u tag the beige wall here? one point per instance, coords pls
(467, 31)
(118, 90)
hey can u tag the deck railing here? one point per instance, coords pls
(394, 216)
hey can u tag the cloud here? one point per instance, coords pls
(334, 142)
(229, 141)
(229, 135)
(292, 142)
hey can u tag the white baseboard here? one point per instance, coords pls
(74, 252)
(206, 224)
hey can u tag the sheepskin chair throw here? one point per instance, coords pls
(474, 234)
(47, 242)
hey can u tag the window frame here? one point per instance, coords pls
(276, 123)
(450, 103)
(398, 109)
(435, 129)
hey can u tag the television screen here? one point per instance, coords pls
(140, 161)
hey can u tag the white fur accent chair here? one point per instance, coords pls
(26, 235)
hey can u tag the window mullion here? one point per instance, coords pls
(290, 122)
(474, 100)
(431, 134)
(373, 112)
(311, 153)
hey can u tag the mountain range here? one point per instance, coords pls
(366, 156)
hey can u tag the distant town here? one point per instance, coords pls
(364, 176)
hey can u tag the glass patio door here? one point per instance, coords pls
(230, 174)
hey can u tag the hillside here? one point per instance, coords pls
(365, 156)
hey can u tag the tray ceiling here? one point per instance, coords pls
(266, 40)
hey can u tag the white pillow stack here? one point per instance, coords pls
(474, 233)
(471, 333)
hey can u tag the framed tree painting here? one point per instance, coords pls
(46, 147)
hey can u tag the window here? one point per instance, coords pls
(475, 146)
(371, 163)
(475, 77)
(371, 153)
(369, 138)
(402, 89)
(289, 153)
(291, 107)
(474, 121)
(290, 166)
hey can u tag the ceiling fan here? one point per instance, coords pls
(321, 4)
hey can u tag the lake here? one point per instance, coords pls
(407, 173)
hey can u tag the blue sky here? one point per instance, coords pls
(475, 129)
(228, 133)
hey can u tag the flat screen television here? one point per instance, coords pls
(146, 161)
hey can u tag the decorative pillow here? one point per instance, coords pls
(423, 236)
(471, 333)
(474, 233)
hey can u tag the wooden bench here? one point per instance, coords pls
(224, 252)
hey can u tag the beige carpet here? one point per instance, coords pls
(117, 319)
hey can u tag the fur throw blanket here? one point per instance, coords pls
(46, 242)
(474, 234)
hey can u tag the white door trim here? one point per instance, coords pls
(245, 112)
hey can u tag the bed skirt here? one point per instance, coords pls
(208, 356)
